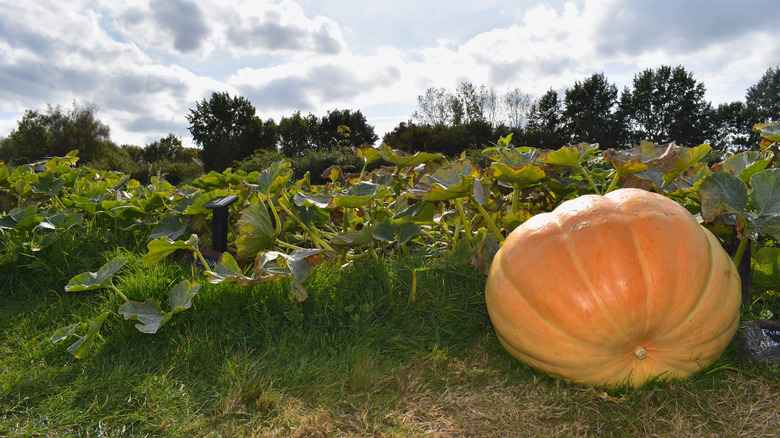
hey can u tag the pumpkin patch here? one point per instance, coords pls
(614, 289)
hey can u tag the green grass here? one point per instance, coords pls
(358, 358)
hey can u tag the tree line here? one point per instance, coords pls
(662, 105)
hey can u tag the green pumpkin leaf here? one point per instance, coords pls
(80, 348)
(766, 192)
(96, 280)
(227, 271)
(255, 230)
(401, 159)
(360, 195)
(273, 180)
(766, 268)
(367, 153)
(162, 247)
(746, 164)
(148, 314)
(407, 230)
(64, 333)
(385, 231)
(171, 226)
(722, 193)
(570, 156)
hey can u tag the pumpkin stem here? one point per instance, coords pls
(640, 352)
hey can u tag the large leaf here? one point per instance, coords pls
(360, 195)
(518, 177)
(162, 247)
(746, 164)
(96, 280)
(451, 182)
(721, 193)
(770, 131)
(367, 153)
(21, 219)
(148, 313)
(571, 156)
(766, 199)
(273, 180)
(766, 192)
(63, 221)
(401, 159)
(255, 230)
(171, 226)
(390, 228)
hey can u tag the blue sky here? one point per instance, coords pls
(144, 63)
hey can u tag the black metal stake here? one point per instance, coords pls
(219, 221)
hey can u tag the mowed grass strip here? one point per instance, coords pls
(363, 356)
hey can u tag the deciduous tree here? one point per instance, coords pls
(226, 128)
(665, 105)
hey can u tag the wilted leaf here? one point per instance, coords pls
(63, 333)
(721, 193)
(96, 280)
(279, 265)
(333, 173)
(227, 270)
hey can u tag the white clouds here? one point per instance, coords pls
(144, 63)
(241, 27)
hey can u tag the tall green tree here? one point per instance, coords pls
(226, 128)
(345, 128)
(545, 122)
(168, 148)
(590, 113)
(298, 134)
(665, 105)
(763, 98)
(55, 133)
(732, 128)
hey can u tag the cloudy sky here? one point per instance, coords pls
(145, 63)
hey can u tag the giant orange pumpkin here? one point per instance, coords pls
(614, 289)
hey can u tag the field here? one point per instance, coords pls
(351, 309)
